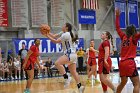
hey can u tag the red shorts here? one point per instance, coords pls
(128, 68)
(92, 61)
(29, 65)
(103, 68)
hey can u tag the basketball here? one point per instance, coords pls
(44, 29)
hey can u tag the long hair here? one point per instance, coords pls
(35, 40)
(74, 38)
(109, 36)
(131, 31)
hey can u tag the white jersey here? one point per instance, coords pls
(67, 44)
(17, 64)
(41, 62)
(69, 47)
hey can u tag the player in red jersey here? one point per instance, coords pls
(127, 65)
(30, 60)
(91, 62)
(104, 61)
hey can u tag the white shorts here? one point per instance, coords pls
(72, 57)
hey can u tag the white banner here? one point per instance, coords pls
(46, 46)
(19, 9)
(39, 12)
(57, 13)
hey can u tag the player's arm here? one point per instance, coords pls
(120, 33)
(94, 50)
(106, 54)
(56, 35)
(53, 39)
(53, 35)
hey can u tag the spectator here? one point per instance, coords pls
(44, 69)
(17, 67)
(11, 68)
(22, 54)
(48, 65)
(5, 69)
(80, 54)
(1, 71)
(36, 70)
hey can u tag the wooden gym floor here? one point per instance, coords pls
(55, 85)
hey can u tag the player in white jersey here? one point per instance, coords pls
(70, 57)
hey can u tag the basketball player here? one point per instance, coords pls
(104, 61)
(91, 62)
(30, 60)
(70, 57)
(127, 65)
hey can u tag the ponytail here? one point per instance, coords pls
(112, 43)
(74, 38)
(110, 37)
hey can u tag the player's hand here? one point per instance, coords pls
(45, 34)
(106, 63)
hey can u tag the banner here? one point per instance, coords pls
(39, 12)
(46, 46)
(57, 13)
(90, 4)
(87, 16)
(19, 10)
(121, 5)
(133, 17)
(3, 13)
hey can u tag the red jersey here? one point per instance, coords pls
(35, 54)
(128, 45)
(101, 54)
(91, 54)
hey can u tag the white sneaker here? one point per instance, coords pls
(68, 74)
(16, 77)
(12, 77)
(1, 78)
(24, 76)
(67, 82)
(81, 89)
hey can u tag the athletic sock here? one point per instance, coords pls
(65, 76)
(79, 85)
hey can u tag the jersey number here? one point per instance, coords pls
(126, 43)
